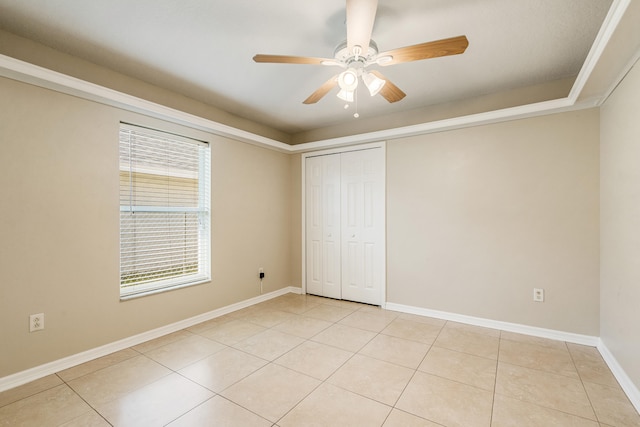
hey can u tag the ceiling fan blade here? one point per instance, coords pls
(360, 17)
(389, 91)
(434, 49)
(322, 90)
(286, 59)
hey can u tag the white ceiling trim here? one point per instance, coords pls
(611, 21)
(623, 73)
(23, 71)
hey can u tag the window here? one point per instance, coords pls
(164, 211)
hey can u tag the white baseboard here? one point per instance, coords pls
(23, 377)
(496, 324)
(627, 385)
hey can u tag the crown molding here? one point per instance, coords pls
(611, 21)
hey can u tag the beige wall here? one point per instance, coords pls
(476, 218)
(59, 250)
(620, 224)
(296, 220)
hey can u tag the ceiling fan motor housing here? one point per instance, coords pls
(342, 54)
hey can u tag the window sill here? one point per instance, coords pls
(144, 293)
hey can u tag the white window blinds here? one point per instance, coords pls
(164, 211)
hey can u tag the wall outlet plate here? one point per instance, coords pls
(538, 295)
(36, 322)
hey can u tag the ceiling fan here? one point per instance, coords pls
(359, 52)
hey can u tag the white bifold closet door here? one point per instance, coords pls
(345, 225)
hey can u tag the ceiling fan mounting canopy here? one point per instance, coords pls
(350, 55)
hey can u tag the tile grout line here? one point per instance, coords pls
(322, 382)
(272, 362)
(415, 371)
(552, 408)
(215, 393)
(495, 381)
(33, 393)
(584, 388)
(84, 400)
(325, 381)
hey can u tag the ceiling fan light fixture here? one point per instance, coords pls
(346, 95)
(373, 83)
(348, 80)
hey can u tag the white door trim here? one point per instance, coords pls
(381, 145)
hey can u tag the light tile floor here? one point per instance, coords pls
(302, 360)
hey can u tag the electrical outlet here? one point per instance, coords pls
(538, 295)
(36, 322)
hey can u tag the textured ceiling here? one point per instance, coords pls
(204, 48)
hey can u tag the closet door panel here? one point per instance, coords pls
(363, 226)
(331, 286)
(313, 219)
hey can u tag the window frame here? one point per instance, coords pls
(203, 210)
